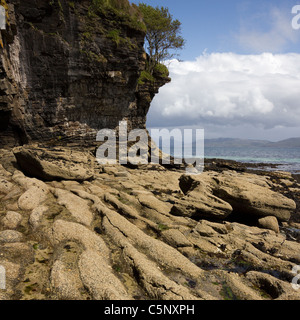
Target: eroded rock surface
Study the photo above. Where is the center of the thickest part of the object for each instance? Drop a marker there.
(244, 193)
(116, 236)
(55, 163)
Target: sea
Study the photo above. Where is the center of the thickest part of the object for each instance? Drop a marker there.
(285, 159)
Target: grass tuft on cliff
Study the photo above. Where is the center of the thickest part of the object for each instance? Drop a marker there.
(160, 71)
(128, 13)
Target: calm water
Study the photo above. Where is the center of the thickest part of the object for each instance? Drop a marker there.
(288, 159)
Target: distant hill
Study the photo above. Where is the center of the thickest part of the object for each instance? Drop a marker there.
(234, 143)
(288, 143)
(242, 143)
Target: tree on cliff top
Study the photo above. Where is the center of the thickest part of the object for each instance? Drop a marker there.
(162, 36)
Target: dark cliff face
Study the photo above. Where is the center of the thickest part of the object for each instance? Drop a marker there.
(67, 71)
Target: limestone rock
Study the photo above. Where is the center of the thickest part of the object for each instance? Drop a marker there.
(245, 193)
(99, 278)
(4, 172)
(159, 251)
(56, 163)
(5, 186)
(269, 223)
(151, 202)
(32, 198)
(65, 230)
(26, 182)
(12, 272)
(11, 220)
(249, 198)
(9, 236)
(77, 206)
(85, 81)
(36, 216)
(275, 288)
(175, 238)
(203, 204)
(64, 283)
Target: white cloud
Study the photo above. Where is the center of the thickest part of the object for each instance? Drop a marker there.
(231, 90)
(275, 37)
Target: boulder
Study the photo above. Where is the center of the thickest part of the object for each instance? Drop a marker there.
(270, 223)
(251, 199)
(55, 163)
(199, 201)
(199, 205)
(32, 198)
(247, 194)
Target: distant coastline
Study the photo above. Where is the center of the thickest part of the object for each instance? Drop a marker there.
(271, 158)
(232, 142)
(282, 155)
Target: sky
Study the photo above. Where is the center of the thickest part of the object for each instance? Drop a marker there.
(238, 75)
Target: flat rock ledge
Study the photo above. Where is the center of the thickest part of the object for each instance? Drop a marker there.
(55, 163)
(71, 230)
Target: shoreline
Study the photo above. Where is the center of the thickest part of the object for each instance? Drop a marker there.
(253, 166)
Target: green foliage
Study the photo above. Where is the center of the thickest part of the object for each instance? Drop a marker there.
(60, 6)
(227, 292)
(162, 36)
(114, 35)
(93, 57)
(161, 70)
(162, 227)
(145, 76)
(87, 35)
(128, 14)
(115, 4)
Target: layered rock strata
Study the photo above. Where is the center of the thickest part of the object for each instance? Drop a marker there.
(69, 69)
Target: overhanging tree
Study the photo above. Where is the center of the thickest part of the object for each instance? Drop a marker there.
(163, 34)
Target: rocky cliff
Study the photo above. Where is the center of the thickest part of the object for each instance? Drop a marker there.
(72, 229)
(71, 68)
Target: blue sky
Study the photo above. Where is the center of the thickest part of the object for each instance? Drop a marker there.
(219, 25)
(221, 36)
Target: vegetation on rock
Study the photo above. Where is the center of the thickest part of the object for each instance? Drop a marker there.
(128, 14)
